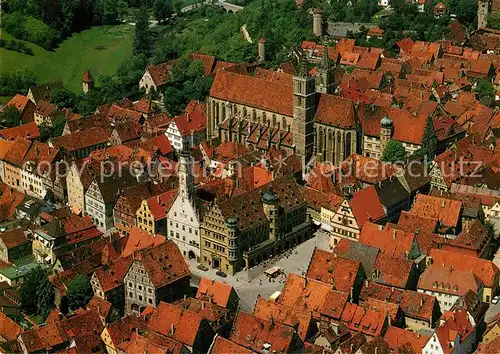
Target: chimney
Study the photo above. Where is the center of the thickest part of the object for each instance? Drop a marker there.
(443, 203)
(172, 329)
(203, 305)
(394, 234)
(421, 301)
(352, 293)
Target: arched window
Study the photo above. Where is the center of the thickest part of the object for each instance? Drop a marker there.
(263, 117)
(347, 144)
(283, 122)
(244, 112)
(274, 120)
(254, 115)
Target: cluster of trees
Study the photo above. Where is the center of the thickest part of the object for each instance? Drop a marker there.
(37, 293)
(79, 292)
(16, 82)
(46, 22)
(30, 29)
(10, 117)
(187, 82)
(281, 23)
(394, 152)
(16, 46)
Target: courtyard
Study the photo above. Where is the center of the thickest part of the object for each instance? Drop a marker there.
(251, 283)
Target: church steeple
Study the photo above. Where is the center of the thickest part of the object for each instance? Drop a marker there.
(186, 178)
(324, 75)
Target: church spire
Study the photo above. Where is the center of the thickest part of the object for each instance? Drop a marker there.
(325, 62)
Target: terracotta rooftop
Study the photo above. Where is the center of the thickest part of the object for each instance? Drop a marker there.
(224, 346)
(366, 206)
(268, 310)
(366, 321)
(256, 334)
(27, 131)
(313, 296)
(396, 243)
(8, 328)
(81, 139)
(446, 211)
(216, 291)
(251, 91)
(397, 337)
(164, 263)
(443, 279)
(327, 267)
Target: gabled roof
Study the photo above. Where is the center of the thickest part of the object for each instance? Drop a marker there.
(8, 328)
(367, 255)
(393, 271)
(14, 238)
(340, 272)
(269, 310)
(193, 120)
(397, 337)
(243, 89)
(396, 243)
(314, 296)
(366, 321)
(87, 77)
(484, 269)
(160, 205)
(256, 334)
(366, 206)
(445, 279)
(447, 211)
(160, 73)
(225, 346)
(175, 322)
(216, 291)
(111, 276)
(335, 111)
(139, 240)
(164, 264)
(121, 330)
(81, 139)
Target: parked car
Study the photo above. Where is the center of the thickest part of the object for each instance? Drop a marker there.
(494, 301)
(202, 267)
(221, 274)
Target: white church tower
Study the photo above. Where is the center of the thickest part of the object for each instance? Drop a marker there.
(183, 226)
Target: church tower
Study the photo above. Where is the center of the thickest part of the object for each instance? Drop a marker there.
(186, 178)
(483, 10)
(386, 128)
(304, 108)
(324, 73)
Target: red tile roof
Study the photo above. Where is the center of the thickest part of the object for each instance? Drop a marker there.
(164, 263)
(121, 330)
(87, 76)
(160, 205)
(253, 92)
(447, 211)
(393, 271)
(397, 337)
(81, 139)
(193, 120)
(225, 346)
(366, 206)
(256, 334)
(8, 328)
(28, 131)
(396, 243)
(310, 295)
(177, 323)
(340, 272)
(207, 60)
(160, 73)
(111, 276)
(335, 111)
(99, 306)
(45, 109)
(216, 291)
(445, 279)
(368, 322)
(159, 144)
(269, 310)
(14, 238)
(484, 269)
(139, 240)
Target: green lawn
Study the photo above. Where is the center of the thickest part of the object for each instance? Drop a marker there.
(99, 49)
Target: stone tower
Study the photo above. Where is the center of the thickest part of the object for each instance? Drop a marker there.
(262, 50)
(304, 108)
(324, 76)
(186, 178)
(271, 208)
(318, 22)
(483, 9)
(87, 82)
(386, 128)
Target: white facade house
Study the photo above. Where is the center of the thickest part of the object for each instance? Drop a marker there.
(31, 183)
(95, 206)
(174, 136)
(183, 224)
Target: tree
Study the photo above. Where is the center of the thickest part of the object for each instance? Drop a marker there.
(494, 20)
(10, 117)
(163, 10)
(79, 292)
(394, 151)
(63, 98)
(485, 89)
(37, 293)
(142, 35)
